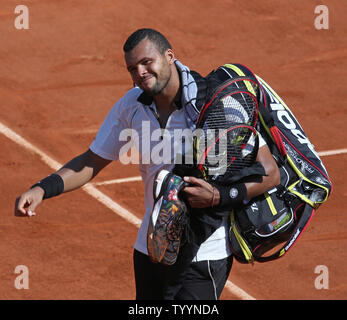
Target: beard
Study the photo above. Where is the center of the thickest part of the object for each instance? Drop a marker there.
(160, 84)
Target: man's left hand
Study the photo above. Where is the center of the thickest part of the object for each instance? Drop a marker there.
(200, 194)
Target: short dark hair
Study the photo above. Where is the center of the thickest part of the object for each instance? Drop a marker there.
(155, 36)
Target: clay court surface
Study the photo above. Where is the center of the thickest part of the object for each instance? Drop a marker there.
(59, 79)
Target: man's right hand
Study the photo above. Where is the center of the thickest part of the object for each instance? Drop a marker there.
(75, 174)
(28, 201)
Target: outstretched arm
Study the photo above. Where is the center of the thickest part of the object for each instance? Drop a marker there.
(202, 194)
(73, 175)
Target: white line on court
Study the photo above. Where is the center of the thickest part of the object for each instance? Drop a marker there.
(122, 180)
(101, 197)
(331, 152)
(114, 206)
(90, 189)
(237, 291)
(27, 145)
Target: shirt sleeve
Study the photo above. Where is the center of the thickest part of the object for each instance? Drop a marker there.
(262, 142)
(107, 143)
(249, 147)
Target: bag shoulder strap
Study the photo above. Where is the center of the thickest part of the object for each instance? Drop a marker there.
(201, 83)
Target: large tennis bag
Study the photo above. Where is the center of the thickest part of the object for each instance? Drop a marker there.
(266, 227)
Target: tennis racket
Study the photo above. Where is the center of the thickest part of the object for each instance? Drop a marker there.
(225, 140)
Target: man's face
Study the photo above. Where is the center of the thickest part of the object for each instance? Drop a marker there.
(149, 69)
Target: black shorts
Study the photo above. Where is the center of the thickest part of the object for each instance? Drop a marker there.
(203, 280)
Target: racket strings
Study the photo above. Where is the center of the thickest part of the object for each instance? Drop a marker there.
(234, 109)
(231, 151)
(222, 149)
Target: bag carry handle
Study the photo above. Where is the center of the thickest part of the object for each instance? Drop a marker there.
(306, 217)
